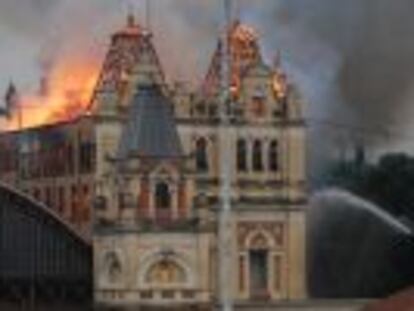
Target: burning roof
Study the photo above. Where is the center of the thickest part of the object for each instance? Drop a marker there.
(77, 85)
(245, 54)
(67, 89)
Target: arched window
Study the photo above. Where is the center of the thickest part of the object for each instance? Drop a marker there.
(241, 155)
(201, 155)
(162, 196)
(257, 156)
(273, 156)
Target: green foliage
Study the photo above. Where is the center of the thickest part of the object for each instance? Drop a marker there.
(389, 183)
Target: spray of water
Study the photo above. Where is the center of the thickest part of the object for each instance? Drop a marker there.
(339, 196)
(355, 249)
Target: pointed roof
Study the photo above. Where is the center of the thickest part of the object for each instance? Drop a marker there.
(150, 130)
(131, 49)
(131, 28)
(245, 52)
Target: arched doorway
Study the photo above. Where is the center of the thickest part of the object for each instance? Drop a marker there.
(259, 267)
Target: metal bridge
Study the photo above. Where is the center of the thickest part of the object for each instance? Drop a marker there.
(41, 257)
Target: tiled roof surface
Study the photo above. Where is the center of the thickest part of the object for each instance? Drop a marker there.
(150, 130)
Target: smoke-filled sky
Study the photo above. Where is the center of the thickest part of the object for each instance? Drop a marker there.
(353, 59)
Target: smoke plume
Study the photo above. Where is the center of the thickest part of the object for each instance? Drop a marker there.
(373, 74)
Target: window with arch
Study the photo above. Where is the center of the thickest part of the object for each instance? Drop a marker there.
(273, 156)
(201, 155)
(257, 156)
(162, 196)
(259, 265)
(242, 155)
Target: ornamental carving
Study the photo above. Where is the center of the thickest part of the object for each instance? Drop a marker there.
(257, 234)
(113, 267)
(166, 272)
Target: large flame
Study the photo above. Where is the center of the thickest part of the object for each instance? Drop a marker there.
(244, 50)
(65, 95)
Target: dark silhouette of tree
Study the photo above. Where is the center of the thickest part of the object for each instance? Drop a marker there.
(388, 183)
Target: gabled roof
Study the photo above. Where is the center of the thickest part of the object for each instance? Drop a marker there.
(131, 51)
(150, 130)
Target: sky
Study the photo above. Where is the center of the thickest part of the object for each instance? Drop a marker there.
(352, 60)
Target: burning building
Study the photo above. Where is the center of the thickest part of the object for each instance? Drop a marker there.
(143, 157)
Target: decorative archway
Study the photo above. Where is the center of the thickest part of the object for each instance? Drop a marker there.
(165, 272)
(262, 244)
(165, 269)
(259, 247)
(258, 240)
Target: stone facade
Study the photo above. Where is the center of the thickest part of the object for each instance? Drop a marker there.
(55, 165)
(154, 212)
(146, 258)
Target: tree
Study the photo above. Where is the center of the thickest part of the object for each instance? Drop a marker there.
(387, 183)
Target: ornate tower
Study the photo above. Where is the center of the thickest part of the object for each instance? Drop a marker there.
(158, 179)
(130, 48)
(266, 138)
(131, 61)
(153, 245)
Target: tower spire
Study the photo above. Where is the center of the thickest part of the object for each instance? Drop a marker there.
(130, 15)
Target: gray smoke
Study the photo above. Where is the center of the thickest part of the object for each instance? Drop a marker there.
(351, 59)
(354, 60)
(373, 42)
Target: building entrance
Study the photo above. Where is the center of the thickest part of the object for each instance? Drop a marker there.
(259, 274)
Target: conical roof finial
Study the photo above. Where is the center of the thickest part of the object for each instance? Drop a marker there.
(130, 18)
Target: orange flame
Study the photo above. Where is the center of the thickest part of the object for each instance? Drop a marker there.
(66, 96)
(245, 51)
(280, 87)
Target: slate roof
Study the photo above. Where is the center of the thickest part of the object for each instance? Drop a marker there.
(150, 130)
